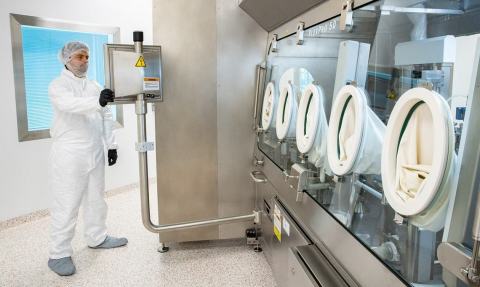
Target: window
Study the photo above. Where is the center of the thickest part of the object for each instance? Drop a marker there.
(35, 46)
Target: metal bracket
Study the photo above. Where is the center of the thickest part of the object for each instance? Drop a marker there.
(299, 180)
(258, 217)
(300, 33)
(337, 178)
(258, 130)
(273, 43)
(346, 16)
(258, 162)
(144, 146)
(426, 85)
(457, 259)
(299, 197)
(399, 219)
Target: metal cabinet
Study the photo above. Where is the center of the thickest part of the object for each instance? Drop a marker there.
(286, 234)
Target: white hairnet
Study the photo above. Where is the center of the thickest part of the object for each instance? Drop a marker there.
(69, 49)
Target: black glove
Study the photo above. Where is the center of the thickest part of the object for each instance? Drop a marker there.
(112, 156)
(106, 96)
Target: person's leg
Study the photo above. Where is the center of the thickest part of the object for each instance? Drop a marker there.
(67, 182)
(68, 185)
(95, 213)
(95, 207)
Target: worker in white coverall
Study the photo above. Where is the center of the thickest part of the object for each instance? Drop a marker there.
(82, 130)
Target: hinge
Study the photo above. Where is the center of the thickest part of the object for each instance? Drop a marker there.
(274, 43)
(346, 16)
(300, 32)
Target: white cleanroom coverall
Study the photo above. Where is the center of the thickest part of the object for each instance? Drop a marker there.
(81, 131)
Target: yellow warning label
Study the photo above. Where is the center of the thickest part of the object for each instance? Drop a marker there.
(277, 223)
(278, 233)
(140, 62)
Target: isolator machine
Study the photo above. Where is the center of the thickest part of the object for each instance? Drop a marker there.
(366, 144)
(372, 174)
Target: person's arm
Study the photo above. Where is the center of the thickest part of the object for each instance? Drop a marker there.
(109, 136)
(108, 128)
(63, 99)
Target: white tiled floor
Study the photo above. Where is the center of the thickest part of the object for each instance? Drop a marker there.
(24, 255)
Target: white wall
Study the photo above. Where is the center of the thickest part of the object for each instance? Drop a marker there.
(23, 166)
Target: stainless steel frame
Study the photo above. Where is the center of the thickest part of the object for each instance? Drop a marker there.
(109, 79)
(16, 21)
(141, 111)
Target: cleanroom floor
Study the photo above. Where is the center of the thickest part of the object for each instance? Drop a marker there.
(24, 255)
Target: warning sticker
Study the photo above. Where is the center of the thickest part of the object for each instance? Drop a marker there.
(140, 62)
(151, 84)
(277, 223)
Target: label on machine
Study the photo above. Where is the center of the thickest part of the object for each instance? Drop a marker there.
(277, 223)
(286, 226)
(151, 83)
(140, 62)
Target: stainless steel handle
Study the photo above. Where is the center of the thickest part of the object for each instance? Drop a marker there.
(259, 69)
(254, 175)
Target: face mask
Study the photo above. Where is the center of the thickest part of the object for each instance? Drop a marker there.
(79, 70)
(78, 64)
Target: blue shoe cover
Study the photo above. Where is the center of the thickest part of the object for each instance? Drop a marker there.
(111, 242)
(62, 266)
